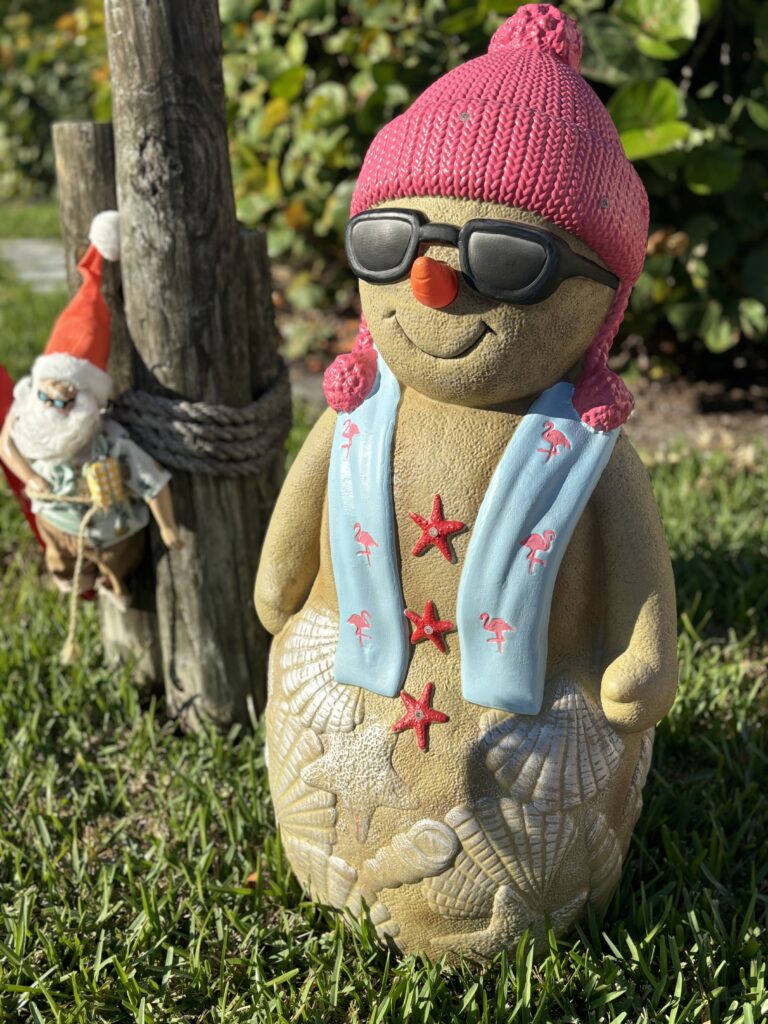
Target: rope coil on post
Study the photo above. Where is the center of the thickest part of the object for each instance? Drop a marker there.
(216, 440)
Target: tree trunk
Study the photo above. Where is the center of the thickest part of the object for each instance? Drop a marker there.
(198, 310)
(85, 173)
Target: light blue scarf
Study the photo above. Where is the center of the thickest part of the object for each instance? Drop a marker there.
(536, 495)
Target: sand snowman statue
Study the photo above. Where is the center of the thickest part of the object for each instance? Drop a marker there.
(466, 574)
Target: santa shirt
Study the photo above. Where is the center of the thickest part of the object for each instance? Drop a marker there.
(142, 478)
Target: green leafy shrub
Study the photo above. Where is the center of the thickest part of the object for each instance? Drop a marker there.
(309, 82)
(49, 70)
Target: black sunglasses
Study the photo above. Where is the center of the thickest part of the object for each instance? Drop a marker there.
(57, 403)
(505, 260)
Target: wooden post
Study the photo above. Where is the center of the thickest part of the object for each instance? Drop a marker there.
(85, 173)
(200, 333)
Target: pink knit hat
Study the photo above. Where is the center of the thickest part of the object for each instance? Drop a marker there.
(521, 127)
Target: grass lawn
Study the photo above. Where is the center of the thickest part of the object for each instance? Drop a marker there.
(125, 846)
(29, 220)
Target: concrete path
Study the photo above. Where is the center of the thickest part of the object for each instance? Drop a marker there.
(36, 262)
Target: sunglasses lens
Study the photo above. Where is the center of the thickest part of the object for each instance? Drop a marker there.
(379, 245)
(499, 264)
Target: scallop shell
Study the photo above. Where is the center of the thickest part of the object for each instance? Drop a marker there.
(633, 803)
(426, 849)
(605, 859)
(560, 758)
(502, 841)
(306, 666)
(302, 811)
(381, 918)
(331, 880)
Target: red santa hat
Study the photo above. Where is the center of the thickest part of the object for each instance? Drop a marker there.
(78, 348)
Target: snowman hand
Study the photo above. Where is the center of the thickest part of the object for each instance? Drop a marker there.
(636, 695)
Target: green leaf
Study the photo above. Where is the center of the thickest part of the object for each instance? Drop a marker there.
(644, 104)
(463, 21)
(753, 318)
(663, 19)
(759, 113)
(641, 143)
(713, 169)
(718, 333)
(610, 53)
(645, 114)
(289, 84)
(661, 49)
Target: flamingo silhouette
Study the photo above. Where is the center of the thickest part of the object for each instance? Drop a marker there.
(497, 626)
(365, 540)
(350, 431)
(555, 439)
(361, 621)
(536, 543)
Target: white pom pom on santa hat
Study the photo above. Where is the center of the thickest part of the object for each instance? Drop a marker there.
(105, 234)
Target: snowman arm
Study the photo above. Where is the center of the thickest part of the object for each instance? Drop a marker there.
(640, 648)
(290, 557)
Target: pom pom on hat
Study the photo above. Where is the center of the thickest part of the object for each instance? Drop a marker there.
(540, 27)
(105, 234)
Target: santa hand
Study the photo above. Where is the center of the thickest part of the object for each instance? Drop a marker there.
(171, 538)
(35, 486)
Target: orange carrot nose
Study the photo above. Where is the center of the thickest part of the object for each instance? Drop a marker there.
(433, 282)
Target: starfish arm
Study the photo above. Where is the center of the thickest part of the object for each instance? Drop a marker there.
(420, 728)
(423, 542)
(419, 520)
(403, 723)
(449, 526)
(442, 546)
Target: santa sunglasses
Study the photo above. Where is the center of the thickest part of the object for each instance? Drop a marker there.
(57, 403)
(504, 260)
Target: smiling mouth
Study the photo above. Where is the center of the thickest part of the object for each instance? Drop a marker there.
(466, 347)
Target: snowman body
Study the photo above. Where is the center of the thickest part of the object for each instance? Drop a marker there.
(504, 820)
(463, 691)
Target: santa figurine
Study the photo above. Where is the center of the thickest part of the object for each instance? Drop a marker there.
(92, 488)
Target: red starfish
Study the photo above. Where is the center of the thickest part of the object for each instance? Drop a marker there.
(428, 627)
(419, 715)
(435, 529)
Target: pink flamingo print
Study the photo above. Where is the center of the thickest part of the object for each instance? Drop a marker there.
(350, 431)
(498, 627)
(366, 542)
(361, 621)
(555, 439)
(536, 543)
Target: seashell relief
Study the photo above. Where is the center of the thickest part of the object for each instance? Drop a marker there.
(306, 669)
(561, 758)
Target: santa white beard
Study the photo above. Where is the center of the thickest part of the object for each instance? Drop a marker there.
(41, 431)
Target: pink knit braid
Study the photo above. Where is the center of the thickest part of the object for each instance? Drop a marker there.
(350, 377)
(601, 398)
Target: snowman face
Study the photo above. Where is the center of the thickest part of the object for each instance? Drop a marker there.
(476, 350)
